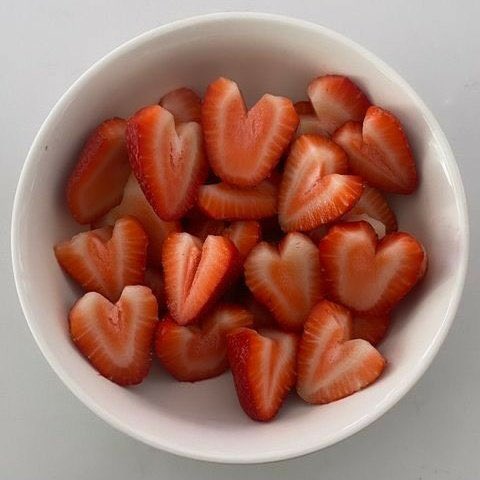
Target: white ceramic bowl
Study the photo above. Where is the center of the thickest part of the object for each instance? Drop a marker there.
(263, 53)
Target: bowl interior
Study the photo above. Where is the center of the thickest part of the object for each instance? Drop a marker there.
(263, 54)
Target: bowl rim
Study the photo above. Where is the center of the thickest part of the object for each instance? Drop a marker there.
(449, 164)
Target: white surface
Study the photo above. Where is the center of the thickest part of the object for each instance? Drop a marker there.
(46, 433)
(256, 51)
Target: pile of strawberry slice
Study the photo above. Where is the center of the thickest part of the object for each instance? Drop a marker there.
(178, 198)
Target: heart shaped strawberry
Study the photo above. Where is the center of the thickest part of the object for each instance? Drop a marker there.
(315, 188)
(196, 352)
(287, 281)
(195, 274)
(263, 369)
(106, 260)
(330, 366)
(368, 275)
(116, 338)
(244, 146)
(379, 151)
(168, 161)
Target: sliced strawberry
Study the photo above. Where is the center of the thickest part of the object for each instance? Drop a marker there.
(287, 281)
(116, 338)
(366, 275)
(106, 260)
(184, 104)
(374, 204)
(329, 365)
(336, 100)
(168, 161)
(201, 227)
(224, 202)
(198, 352)
(315, 189)
(244, 235)
(244, 146)
(135, 204)
(97, 181)
(371, 328)
(263, 368)
(195, 274)
(379, 151)
(154, 281)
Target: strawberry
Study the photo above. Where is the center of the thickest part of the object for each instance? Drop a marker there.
(371, 328)
(244, 235)
(263, 368)
(135, 204)
(245, 146)
(225, 202)
(374, 204)
(308, 120)
(116, 338)
(336, 100)
(168, 161)
(154, 281)
(198, 352)
(184, 104)
(195, 274)
(329, 365)
(287, 281)
(97, 181)
(379, 151)
(368, 275)
(315, 188)
(106, 260)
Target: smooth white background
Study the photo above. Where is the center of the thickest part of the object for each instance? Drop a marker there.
(46, 433)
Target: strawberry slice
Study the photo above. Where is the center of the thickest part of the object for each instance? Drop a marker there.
(245, 146)
(116, 338)
(336, 100)
(287, 281)
(379, 151)
(184, 104)
(308, 120)
(315, 189)
(371, 328)
(374, 204)
(168, 161)
(366, 275)
(106, 260)
(135, 204)
(244, 235)
(225, 202)
(97, 181)
(195, 274)
(263, 368)
(329, 365)
(197, 352)
(154, 281)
